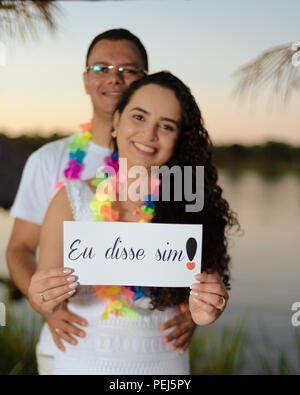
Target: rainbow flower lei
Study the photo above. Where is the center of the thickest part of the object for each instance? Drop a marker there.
(77, 153)
(119, 297)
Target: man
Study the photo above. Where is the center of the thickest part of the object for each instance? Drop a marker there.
(114, 60)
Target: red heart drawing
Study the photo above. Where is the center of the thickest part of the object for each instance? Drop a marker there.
(191, 265)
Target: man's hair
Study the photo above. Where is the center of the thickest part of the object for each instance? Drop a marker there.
(116, 35)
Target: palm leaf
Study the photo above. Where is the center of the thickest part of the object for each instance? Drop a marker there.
(275, 68)
(23, 18)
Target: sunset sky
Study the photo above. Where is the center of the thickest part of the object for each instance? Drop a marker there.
(202, 42)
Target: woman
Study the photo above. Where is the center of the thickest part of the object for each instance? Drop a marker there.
(157, 122)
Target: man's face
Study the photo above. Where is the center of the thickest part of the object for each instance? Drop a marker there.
(106, 88)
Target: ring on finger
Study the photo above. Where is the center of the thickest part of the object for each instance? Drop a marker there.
(222, 304)
(42, 298)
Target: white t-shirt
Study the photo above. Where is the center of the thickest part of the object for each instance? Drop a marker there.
(43, 169)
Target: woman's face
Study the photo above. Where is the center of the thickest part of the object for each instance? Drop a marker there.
(149, 126)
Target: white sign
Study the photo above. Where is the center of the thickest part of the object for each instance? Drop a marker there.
(137, 254)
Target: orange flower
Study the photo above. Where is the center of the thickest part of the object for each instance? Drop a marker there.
(101, 290)
(110, 214)
(86, 126)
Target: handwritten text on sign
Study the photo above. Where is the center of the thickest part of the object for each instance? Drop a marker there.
(126, 253)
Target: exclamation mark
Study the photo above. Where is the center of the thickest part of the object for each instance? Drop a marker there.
(191, 248)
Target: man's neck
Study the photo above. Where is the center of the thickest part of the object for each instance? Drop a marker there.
(101, 131)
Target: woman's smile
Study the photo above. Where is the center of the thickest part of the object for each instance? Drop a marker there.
(144, 149)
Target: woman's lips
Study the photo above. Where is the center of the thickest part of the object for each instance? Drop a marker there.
(146, 150)
(112, 93)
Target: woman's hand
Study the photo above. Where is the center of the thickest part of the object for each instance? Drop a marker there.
(208, 298)
(49, 288)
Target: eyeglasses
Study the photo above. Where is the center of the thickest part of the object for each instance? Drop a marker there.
(125, 71)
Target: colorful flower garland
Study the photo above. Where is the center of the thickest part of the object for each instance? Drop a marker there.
(77, 147)
(119, 297)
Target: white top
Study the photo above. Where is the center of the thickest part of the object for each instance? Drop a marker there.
(43, 169)
(117, 345)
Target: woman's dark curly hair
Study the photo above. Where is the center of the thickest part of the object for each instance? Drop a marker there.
(193, 148)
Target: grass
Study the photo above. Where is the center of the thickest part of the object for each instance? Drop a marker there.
(227, 352)
(219, 354)
(17, 342)
(234, 352)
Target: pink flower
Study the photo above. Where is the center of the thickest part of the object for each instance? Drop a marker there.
(73, 171)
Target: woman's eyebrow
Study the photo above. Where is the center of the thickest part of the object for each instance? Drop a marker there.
(162, 118)
(170, 120)
(140, 109)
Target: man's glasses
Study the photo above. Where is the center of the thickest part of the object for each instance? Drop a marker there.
(126, 71)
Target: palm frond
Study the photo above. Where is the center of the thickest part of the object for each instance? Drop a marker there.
(275, 69)
(24, 18)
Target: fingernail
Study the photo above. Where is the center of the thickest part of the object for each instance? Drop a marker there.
(71, 292)
(196, 300)
(72, 278)
(84, 323)
(194, 293)
(67, 271)
(194, 286)
(198, 276)
(73, 285)
(173, 347)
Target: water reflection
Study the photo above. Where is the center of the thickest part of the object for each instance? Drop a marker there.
(265, 260)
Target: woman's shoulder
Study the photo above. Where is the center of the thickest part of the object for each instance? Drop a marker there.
(60, 206)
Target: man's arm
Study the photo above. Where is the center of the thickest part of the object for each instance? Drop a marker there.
(21, 253)
(29, 209)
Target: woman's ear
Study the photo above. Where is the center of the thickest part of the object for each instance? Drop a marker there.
(116, 119)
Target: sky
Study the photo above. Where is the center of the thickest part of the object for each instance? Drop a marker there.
(202, 42)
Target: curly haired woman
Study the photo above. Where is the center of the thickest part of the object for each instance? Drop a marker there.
(157, 122)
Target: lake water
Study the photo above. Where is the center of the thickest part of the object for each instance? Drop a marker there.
(265, 259)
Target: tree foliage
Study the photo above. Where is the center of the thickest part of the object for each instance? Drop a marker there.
(277, 68)
(24, 18)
